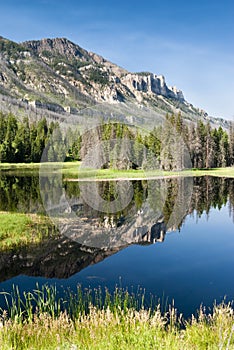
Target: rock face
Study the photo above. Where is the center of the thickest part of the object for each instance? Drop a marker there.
(60, 67)
(151, 83)
(118, 82)
(61, 74)
(117, 78)
(58, 46)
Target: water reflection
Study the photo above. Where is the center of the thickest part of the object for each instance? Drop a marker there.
(155, 201)
(157, 207)
(20, 194)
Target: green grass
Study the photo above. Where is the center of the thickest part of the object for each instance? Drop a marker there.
(19, 166)
(38, 321)
(72, 170)
(17, 230)
(25, 167)
(222, 172)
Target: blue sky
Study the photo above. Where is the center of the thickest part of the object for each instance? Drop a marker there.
(190, 42)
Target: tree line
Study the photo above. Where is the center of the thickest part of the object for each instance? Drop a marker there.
(174, 145)
(208, 147)
(24, 141)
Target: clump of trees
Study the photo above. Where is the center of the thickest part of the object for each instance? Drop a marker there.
(175, 145)
(25, 142)
(21, 142)
(207, 147)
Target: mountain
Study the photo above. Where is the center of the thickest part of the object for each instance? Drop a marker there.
(59, 76)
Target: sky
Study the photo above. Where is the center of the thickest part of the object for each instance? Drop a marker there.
(191, 42)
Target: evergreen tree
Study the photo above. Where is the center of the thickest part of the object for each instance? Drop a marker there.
(209, 148)
(12, 127)
(3, 127)
(22, 142)
(231, 143)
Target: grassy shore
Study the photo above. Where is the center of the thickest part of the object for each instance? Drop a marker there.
(72, 170)
(17, 230)
(35, 167)
(115, 323)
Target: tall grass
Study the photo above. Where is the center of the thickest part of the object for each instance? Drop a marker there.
(96, 319)
(22, 306)
(17, 230)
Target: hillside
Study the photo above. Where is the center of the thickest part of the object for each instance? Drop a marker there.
(59, 76)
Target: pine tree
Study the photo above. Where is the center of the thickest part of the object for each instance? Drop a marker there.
(12, 127)
(3, 127)
(231, 143)
(209, 148)
(22, 143)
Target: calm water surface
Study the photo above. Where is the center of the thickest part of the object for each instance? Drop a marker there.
(191, 261)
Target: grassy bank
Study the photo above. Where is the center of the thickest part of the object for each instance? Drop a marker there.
(73, 173)
(17, 230)
(115, 323)
(72, 170)
(35, 167)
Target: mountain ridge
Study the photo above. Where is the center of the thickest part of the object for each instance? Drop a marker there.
(60, 76)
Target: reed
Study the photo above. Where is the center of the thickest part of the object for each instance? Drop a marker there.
(98, 319)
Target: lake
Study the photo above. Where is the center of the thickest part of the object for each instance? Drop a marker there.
(174, 238)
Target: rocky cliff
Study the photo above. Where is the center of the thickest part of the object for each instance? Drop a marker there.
(60, 76)
(107, 81)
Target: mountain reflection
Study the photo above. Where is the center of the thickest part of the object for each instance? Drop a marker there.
(89, 236)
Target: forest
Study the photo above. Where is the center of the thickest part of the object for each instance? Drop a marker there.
(23, 141)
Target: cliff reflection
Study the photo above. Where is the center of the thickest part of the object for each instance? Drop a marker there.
(157, 207)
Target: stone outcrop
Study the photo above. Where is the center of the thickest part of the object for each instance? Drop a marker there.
(120, 82)
(67, 78)
(152, 84)
(59, 46)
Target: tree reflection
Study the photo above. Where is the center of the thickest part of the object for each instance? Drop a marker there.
(157, 206)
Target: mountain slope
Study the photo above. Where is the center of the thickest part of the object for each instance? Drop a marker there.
(60, 76)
